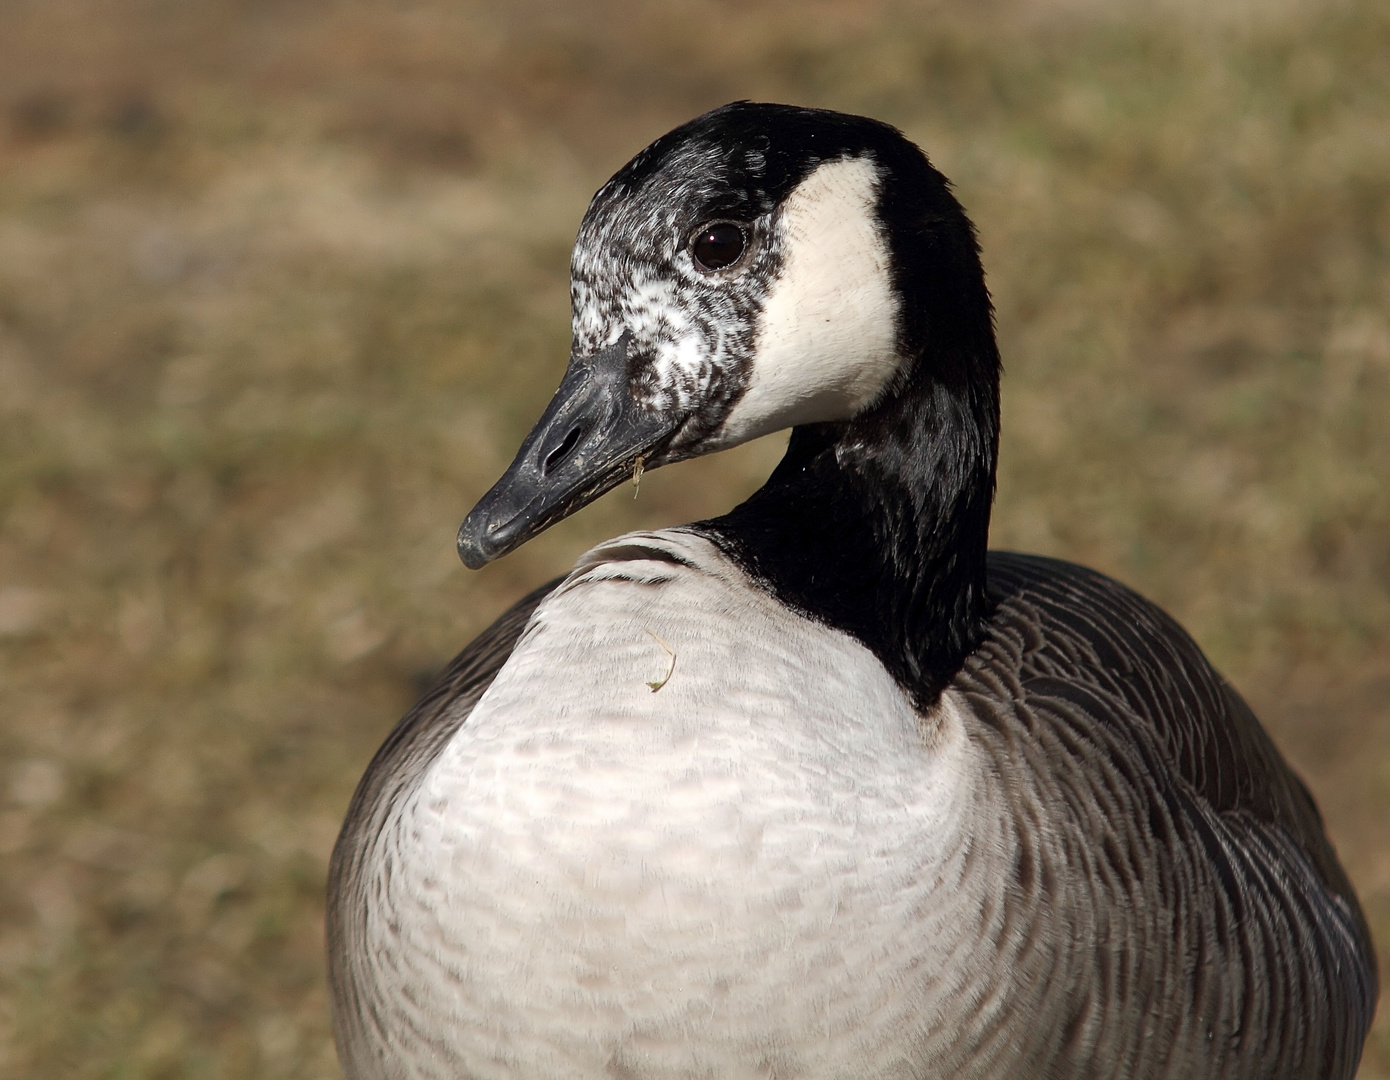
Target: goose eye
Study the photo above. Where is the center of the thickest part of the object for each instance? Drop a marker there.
(717, 246)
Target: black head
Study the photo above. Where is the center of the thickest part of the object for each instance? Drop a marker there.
(761, 267)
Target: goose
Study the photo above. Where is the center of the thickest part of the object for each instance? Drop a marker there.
(821, 787)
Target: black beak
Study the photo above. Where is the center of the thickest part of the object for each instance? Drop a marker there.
(586, 443)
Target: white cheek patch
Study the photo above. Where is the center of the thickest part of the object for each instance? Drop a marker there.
(826, 342)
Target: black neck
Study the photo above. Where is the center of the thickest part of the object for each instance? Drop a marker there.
(879, 526)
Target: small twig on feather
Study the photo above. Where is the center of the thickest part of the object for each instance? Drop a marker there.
(670, 668)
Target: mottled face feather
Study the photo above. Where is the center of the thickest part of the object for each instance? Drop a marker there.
(698, 336)
(633, 271)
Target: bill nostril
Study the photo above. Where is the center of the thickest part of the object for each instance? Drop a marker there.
(558, 455)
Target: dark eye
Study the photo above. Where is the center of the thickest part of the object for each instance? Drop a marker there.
(717, 246)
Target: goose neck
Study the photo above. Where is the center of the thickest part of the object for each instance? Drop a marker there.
(879, 527)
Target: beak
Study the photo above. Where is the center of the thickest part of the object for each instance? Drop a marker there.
(586, 443)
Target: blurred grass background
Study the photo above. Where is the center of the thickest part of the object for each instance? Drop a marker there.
(283, 284)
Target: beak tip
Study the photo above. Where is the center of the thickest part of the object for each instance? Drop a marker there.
(473, 547)
(583, 445)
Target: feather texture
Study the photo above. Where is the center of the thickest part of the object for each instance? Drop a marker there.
(398, 765)
(1088, 860)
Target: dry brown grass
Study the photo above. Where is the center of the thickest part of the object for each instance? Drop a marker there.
(281, 286)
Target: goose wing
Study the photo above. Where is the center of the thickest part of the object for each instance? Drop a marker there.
(1139, 773)
(1088, 635)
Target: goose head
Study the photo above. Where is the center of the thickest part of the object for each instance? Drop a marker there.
(767, 267)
